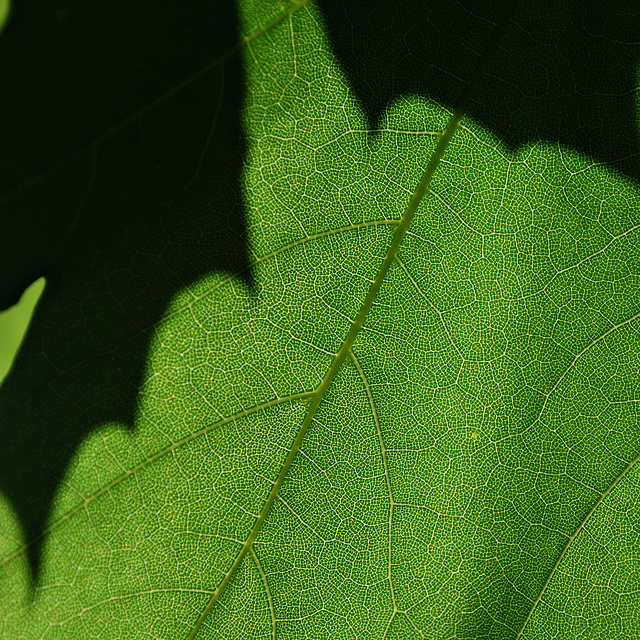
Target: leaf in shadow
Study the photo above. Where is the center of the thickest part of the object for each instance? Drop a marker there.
(120, 129)
(564, 72)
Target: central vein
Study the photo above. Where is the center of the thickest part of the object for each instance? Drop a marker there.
(345, 349)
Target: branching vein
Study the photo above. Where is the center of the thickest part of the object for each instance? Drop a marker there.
(345, 349)
(160, 454)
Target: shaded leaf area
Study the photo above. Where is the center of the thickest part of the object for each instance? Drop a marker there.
(122, 151)
(564, 72)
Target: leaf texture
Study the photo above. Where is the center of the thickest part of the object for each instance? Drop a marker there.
(471, 470)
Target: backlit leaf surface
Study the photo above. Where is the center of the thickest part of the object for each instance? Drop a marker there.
(471, 470)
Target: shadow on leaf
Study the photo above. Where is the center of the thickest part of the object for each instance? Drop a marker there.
(121, 134)
(563, 72)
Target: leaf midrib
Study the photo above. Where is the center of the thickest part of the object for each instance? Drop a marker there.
(345, 350)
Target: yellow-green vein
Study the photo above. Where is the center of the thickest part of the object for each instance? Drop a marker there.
(573, 536)
(357, 324)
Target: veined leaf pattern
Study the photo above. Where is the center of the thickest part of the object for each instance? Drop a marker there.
(470, 470)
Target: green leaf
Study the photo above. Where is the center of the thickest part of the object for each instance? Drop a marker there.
(464, 466)
(5, 9)
(14, 323)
